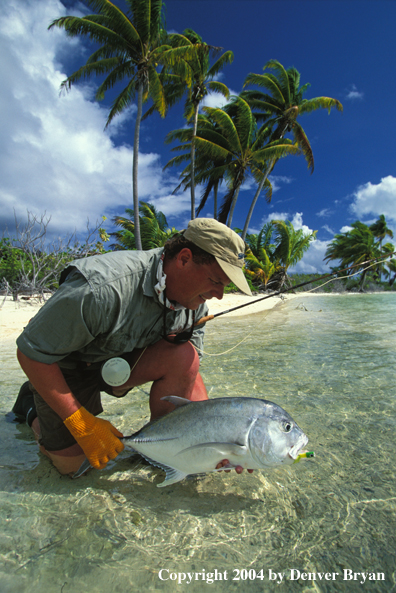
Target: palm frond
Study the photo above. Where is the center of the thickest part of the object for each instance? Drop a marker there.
(268, 82)
(226, 58)
(214, 151)
(282, 76)
(122, 101)
(157, 92)
(310, 105)
(302, 141)
(226, 125)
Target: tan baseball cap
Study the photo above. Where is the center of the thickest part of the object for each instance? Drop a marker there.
(227, 247)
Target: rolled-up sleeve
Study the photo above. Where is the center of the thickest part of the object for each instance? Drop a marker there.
(197, 338)
(63, 325)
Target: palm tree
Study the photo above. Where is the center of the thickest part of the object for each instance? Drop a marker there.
(380, 230)
(131, 48)
(208, 172)
(291, 244)
(384, 266)
(241, 148)
(203, 167)
(391, 265)
(261, 241)
(202, 83)
(154, 228)
(354, 248)
(279, 107)
(260, 268)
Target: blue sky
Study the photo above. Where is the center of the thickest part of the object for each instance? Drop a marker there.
(55, 156)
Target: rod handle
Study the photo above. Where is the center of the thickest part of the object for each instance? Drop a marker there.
(203, 320)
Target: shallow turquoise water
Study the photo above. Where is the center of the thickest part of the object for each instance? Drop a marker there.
(330, 362)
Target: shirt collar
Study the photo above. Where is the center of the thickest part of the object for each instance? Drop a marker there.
(154, 282)
(161, 285)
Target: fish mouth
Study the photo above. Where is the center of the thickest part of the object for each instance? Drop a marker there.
(297, 449)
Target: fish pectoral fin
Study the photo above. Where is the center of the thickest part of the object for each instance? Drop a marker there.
(225, 449)
(82, 469)
(176, 400)
(172, 476)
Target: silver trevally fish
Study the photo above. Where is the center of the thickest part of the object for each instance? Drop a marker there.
(196, 436)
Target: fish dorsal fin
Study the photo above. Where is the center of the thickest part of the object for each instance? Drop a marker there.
(225, 449)
(176, 400)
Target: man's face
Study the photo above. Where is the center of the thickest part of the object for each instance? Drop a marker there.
(208, 281)
(197, 283)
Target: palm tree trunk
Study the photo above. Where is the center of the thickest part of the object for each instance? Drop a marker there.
(254, 201)
(138, 240)
(363, 278)
(380, 271)
(277, 135)
(233, 204)
(193, 162)
(215, 190)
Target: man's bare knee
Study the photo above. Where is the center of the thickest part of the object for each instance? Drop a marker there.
(64, 465)
(187, 359)
(163, 360)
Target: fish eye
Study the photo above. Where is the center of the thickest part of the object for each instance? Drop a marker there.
(287, 426)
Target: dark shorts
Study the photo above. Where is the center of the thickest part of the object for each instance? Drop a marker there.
(86, 384)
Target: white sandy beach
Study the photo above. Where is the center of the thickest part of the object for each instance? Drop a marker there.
(14, 315)
(257, 304)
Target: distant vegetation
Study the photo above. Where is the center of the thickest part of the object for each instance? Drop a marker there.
(362, 247)
(30, 265)
(361, 250)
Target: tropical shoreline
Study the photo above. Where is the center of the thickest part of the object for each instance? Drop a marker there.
(260, 303)
(14, 315)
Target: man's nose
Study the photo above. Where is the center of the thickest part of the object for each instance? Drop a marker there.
(218, 292)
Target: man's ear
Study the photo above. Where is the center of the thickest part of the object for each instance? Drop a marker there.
(184, 257)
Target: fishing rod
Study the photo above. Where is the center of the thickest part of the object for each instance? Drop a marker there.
(278, 292)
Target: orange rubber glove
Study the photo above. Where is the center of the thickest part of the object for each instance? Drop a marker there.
(96, 437)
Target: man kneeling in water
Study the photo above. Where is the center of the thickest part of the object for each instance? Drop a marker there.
(137, 305)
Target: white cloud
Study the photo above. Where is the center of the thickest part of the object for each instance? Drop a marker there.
(324, 213)
(215, 100)
(376, 199)
(275, 216)
(354, 95)
(298, 223)
(277, 181)
(328, 229)
(345, 229)
(295, 219)
(55, 156)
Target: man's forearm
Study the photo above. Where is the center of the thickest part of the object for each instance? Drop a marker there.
(51, 385)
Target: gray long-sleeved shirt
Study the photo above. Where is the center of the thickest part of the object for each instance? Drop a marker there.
(105, 307)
